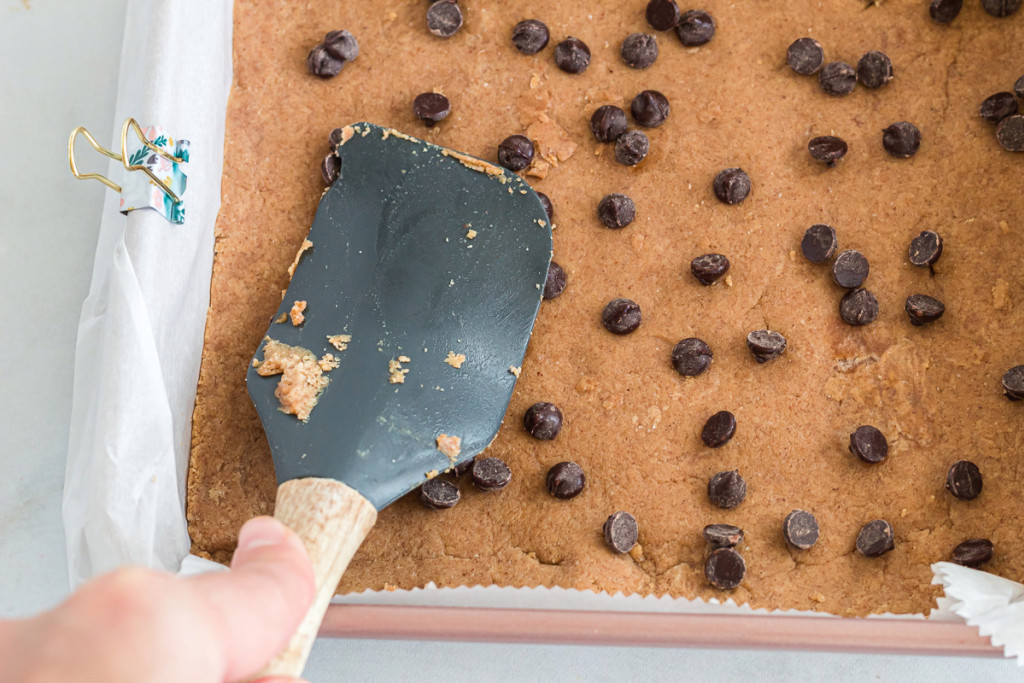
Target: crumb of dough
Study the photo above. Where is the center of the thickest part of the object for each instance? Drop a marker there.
(1001, 294)
(471, 234)
(451, 446)
(1005, 227)
(455, 359)
(728, 280)
(514, 370)
(346, 134)
(431, 474)
(541, 223)
(396, 373)
(329, 362)
(340, 341)
(283, 318)
(302, 379)
(306, 245)
(255, 363)
(296, 313)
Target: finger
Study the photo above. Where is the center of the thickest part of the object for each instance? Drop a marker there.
(252, 610)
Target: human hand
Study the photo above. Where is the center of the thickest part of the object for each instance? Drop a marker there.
(136, 624)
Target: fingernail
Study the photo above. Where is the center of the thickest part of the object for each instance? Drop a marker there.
(260, 532)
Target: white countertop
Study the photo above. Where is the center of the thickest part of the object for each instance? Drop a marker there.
(58, 69)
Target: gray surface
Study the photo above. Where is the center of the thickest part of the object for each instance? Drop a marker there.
(48, 225)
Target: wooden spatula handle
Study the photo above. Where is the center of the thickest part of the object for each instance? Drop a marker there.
(332, 519)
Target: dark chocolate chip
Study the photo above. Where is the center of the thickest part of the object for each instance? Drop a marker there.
(944, 11)
(819, 243)
(631, 148)
(565, 480)
(530, 36)
(322, 63)
(515, 152)
(621, 316)
(766, 345)
(727, 489)
(1001, 8)
(330, 168)
(662, 14)
(549, 208)
(924, 309)
(691, 357)
(828, 149)
(901, 139)
(731, 186)
(709, 267)
(973, 552)
(444, 18)
(837, 78)
(997, 107)
(964, 480)
(869, 444)
(1010, 133)
(463, 467)
(1018, 87)
(342, 45)
(554, 284)
(800, 529)
(335, 139)
(543, 420)
(621, 532)
(695, 28)
(874, 69)
(805, 56)
(639, 50)
(649, 108)
(616, 210)
(925, 249)
(850, 269)
(1013, 383)
(572, 55)
(719, 429)
(858, 307)
(722, 535)
(431, 107)
(724, 568)
(490, 474)
(608, 123)
(439, 494)
(876, 538)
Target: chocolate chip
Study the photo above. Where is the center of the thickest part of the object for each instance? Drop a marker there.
(490, 474)
(608, 123)
(554, 284)
(639, 50)
(462, 468)
(819, 243)
(1018, 87)
(691, 357)
(875, 538)
(858, 307)
(530, 36)
(565, 480)
(828, 149)
(330, 168)
(439, 494)
(444, 18)
(323, 64)
(431, 107)
(901, 139)
(695, 28)
(874, 69)
(543, 420)
(549, 208)
(722, 535)
(766, 345)
(649, 108)
(869, 444)
(631, 148)
(1013, 383)
(621, 532)
(616, 210)
(964, 480)
(850, 269)
(719, 429)
(326, 59)
(837, 78)
(997, 107)
(1010, 133)
(727, 489)
(924, 309)
(515, 152)
(621, 316)
(973, 552)
(662, 14)
(800, 529)
(335, 139)
(805, 56)
(709, 267)
(572, 55)
(724, 568)
(1001, 8)
(944, 11)
(925, 249)
(731, 186)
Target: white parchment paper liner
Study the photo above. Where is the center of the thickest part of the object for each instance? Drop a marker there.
(140, 341)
